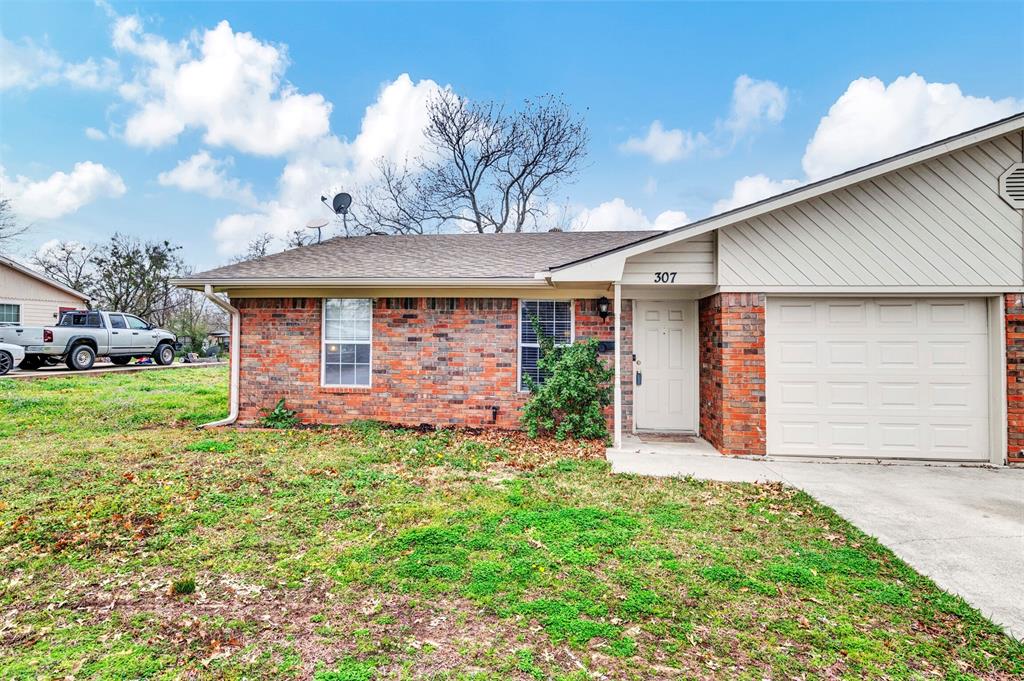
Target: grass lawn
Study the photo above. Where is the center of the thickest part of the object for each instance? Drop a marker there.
(132, 546)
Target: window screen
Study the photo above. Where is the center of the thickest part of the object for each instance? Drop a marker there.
(555, 320)
(346, 351)
(10, 313)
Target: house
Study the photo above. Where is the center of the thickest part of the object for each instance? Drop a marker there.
(878, 313)
(31, 299)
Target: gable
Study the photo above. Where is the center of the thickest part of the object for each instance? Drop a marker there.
(937, 223)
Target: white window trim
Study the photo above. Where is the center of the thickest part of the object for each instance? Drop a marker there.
(519, 333)
(18, 307)
(323, 342)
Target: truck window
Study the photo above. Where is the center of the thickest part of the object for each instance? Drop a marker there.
(84, 320)
(136, 323)
(117, 322)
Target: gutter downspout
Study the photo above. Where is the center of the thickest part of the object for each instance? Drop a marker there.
(235, 359)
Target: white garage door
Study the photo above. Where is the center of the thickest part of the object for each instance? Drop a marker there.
(877, 378)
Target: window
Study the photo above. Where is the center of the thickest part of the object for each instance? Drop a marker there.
(346, 349)
(90, 320)
(10, 313)
(555, 319)
(136, 323)
(117, 322)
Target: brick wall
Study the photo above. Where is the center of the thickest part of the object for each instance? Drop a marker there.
(445, 362)
(732, 374)
(1015, 374)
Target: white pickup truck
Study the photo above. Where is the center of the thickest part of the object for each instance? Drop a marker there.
(83, 335)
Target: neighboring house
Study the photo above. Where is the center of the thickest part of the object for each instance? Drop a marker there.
(31, 299)
(878, 313)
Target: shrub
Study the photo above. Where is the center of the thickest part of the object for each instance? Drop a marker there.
(572, 398)
(183, 587)
(279, 417)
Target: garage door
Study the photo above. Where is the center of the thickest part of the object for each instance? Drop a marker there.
(877, 378)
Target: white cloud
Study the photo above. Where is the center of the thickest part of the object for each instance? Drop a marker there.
(92, 75)
(95, 134)
(754, 103)
(61, 193)
(751, 189)
(28, 66)
(229, 85)
(618, 215)
(872, 121)
(392, 128)
(204, 174)
(663, 145)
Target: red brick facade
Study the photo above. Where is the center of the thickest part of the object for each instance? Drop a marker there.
(732, 372)
(1015, 375)
(437, 361)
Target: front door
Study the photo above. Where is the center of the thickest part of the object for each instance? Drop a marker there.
(665, 367)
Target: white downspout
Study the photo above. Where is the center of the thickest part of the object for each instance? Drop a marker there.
(617, 420)
(235, 358)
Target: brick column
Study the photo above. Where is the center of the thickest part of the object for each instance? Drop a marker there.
(732, 397)
(1014, 303)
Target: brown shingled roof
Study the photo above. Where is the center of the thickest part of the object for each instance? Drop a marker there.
(429, 256)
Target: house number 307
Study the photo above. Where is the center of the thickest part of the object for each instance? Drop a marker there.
(664, 277)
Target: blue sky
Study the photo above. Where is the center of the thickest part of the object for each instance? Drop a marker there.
(778, 94)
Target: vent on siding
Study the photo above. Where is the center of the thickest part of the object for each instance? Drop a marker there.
(1011, 186)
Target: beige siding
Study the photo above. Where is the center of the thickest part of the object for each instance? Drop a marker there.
(38, 300)
(692, 261)
(939, 223)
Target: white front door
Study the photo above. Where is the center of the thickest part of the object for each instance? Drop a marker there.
(665, 368)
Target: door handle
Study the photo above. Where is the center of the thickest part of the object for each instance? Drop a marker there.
(639, 378)
(113, 333)
(135, 333)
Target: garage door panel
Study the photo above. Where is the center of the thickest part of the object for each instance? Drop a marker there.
(889, 378)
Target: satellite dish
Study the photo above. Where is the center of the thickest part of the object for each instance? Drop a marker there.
(341, 202)
(317, 224)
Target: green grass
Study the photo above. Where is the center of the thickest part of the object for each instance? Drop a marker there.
(134, 546)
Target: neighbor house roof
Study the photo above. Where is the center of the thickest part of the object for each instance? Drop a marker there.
(466, 258)
(29, 272)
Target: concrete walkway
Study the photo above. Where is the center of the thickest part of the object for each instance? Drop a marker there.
(961, 526)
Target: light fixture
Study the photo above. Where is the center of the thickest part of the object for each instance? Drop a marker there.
(602, 307)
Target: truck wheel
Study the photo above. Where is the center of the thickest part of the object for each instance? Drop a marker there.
(164, 354)
(81, 358)
(6, 362)
(120, 361)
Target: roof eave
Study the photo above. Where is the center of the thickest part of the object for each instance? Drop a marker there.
(358, 282)
(29, 272)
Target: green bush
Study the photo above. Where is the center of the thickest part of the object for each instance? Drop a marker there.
(279, 417)
(571, 400)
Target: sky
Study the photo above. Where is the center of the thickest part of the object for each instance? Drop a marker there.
(209, 123)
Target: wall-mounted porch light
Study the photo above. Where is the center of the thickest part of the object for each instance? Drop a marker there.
(602, 307)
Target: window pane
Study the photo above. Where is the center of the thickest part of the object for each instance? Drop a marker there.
(348, 353)
(331, 374)
(554, 317)
(135, 323)
(117, 322)
(332, 308)
(362, 374)
(332, 352)
(10, 313)
(348, 375)
(363, 353)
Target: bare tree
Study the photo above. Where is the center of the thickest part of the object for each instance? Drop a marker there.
(10, 227)
(134, 276)
(194, 317)
(256, 248)
(484, 170)
(69, 263)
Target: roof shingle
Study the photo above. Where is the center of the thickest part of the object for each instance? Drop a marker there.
(433, 256)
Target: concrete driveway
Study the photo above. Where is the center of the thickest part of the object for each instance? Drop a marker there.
(961, 526)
